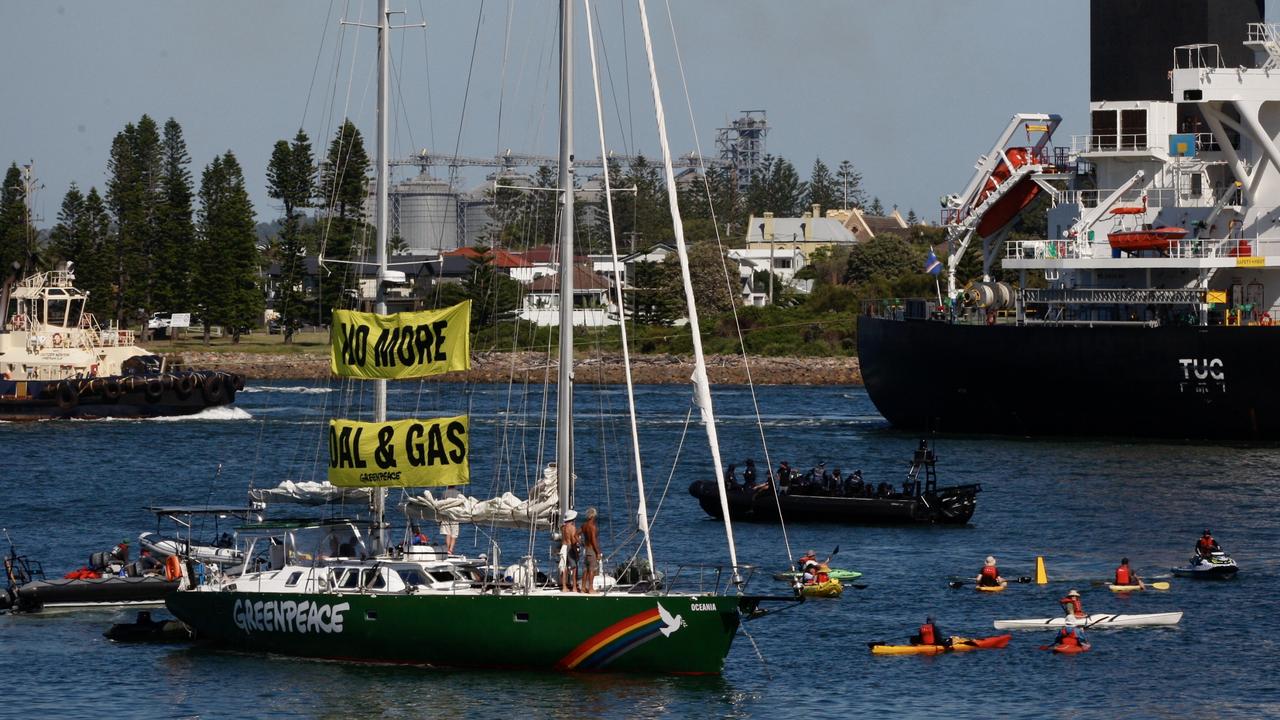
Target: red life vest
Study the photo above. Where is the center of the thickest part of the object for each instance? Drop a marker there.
(1124, 576)
(926, 635)
(1076, 607)
(991, 572)
(822, 576)
(1067, 636)
(1205, 545)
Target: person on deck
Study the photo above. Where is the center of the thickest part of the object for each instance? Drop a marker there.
(569, 552)
(449, 528)
(731, 477)
(784, 474)
(930, 635)
(1126, 576)
(1206, 545)
(1071, 604)
(1070, 636)
(990, 574)
(853, 484)
(147, 565)
(121, 552)
(749, 474)
(591, 551)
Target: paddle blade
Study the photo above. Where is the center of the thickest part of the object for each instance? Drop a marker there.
(1158, 585)
(1024, 580)
(955, 584)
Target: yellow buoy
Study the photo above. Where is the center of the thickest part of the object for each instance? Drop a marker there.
(1041, 577)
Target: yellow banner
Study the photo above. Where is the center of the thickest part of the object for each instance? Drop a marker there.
(1251, 261)
(403, 345)
(1217, 297)
(413, 453)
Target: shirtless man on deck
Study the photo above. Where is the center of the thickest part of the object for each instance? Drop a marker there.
(569, 539)
(591, 551)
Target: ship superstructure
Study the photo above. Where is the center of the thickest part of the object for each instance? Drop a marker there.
(1147, 306)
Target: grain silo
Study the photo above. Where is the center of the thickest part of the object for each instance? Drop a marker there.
(424, 213)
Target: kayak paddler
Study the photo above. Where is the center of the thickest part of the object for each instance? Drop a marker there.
(805, 559)
(1071, 604)
(1069, 635)
(815, 574)
(930, 635)
(1126, 576)
(990, 575)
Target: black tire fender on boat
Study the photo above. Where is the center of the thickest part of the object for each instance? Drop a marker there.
(154, 390)
(111, 390)
(229, 387)
(213, 389)
(183, 385)
(68, 395)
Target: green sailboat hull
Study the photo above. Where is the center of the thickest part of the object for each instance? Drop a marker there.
(602, 633)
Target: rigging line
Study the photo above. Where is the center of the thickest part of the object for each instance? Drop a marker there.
(626, 73)
(642, 512)
(426, 78)
(613, 87)
(398, 73)
(324, 34)
(746, 364)
(502, 82)
(675, 463)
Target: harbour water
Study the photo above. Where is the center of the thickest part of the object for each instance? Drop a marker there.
(71, 488)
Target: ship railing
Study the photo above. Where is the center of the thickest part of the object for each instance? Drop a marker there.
(111, 337)
(1041, 249)
(707, 579)
(1200, 56)
(1156, 197)
(1213, 248)
(52, 278)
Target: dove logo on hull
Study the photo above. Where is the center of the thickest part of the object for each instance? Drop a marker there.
(670, 623)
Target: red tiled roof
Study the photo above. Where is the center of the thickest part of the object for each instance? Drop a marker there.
(546, 255)
(501, 258)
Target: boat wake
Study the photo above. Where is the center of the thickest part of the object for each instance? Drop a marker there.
(295, 389)
(222, 412)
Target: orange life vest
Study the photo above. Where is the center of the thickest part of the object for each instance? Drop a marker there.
(1067, 636)
(990, 572)
(926, 635)
(1076, 607)
(172, 568)
(1124, 576)
(1205, 545)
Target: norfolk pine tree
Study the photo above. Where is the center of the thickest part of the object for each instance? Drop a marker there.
(291, 180)
(227, 256)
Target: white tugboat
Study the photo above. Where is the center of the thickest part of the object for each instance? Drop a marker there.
(57, 361)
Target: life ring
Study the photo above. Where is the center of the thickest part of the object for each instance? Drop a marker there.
(57, 339)
(213, 389)
(111, 390)
(172, 568)
(19, 322)
(183, 385)
(68, 395)
(991, 317)
(154, 390)
(1265, 319)
(93, 370)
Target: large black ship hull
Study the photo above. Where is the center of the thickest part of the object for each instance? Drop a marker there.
(1214, 382)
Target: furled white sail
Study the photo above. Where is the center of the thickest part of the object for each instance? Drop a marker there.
(507, 510)
(309, 493)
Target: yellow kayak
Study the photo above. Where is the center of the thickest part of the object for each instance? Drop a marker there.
(831, 589)
(1138, 588)
(989, 588)
(958, 644)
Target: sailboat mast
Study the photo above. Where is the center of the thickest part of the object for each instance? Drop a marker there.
(381, 219)
(564, 382)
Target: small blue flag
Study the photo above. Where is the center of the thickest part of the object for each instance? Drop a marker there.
(932, 264)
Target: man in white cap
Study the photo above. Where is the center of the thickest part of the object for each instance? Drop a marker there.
(990, 575)
(569, 552)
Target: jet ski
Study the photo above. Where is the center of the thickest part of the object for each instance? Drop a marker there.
(1218, 566)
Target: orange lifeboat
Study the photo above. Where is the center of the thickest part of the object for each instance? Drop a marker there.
(1020, 196)
(1153, 239)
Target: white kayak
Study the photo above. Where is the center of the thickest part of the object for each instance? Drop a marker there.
(1091, 621)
